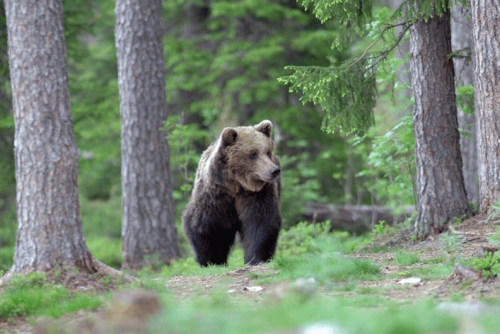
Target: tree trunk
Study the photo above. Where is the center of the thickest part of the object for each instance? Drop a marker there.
(440, 183)
(461, 37)
(48, 213)
(148, 226)
(485, 28)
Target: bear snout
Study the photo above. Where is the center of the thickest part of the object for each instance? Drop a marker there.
(275, 172)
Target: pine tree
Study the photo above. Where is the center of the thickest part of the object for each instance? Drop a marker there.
(485, 27)
(49, 233)
(461, 39)
(148, 225)
(440, 184)
(347, 93)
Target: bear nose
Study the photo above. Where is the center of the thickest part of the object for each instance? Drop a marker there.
(275, 171)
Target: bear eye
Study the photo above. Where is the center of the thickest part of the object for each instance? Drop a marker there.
(253, 156)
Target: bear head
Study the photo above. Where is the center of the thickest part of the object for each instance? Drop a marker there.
(248, 152)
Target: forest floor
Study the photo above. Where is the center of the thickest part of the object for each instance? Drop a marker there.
(410, 274)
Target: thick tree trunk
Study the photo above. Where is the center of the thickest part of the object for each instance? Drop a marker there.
(48, 214)
(440, 183)
(461, 37)
(486, 53)
(148, 226)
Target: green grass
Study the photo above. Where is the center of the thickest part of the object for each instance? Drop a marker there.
(29, 295)
(325, 268)
(441, 259)
(189, 267)
(435, 271)
(405, 258)
(218, 315)
(106, 249)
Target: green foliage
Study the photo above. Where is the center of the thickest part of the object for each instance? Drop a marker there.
(494, 211)
(347, 92)
(489, 265)
(405, 258)
(6, 257)
(31, 295)
(326, 268)
(311, 250)
(184, 157)
(101, 218)
(465, 99)
(215, 314)
(222, 62)
(473, 208)
(392, 166)
(495, 238)
(302, 238)
(189, 267)
(7, 171)
(299, 185)
(92, 74)
(413, 10)
(431, 272)
(347, 13)
(452, 245)
(344, 98)
(108, 250)
(381, 229)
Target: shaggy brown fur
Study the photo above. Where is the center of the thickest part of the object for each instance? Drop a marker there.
(236, 190)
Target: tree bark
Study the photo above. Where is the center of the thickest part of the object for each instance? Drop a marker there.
(461, 37)
(148, 226)
(486, 52)
(440, 184)
(48, 213)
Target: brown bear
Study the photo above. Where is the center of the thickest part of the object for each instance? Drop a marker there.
(236, 190)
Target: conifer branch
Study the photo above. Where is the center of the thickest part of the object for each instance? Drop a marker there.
(380, 37)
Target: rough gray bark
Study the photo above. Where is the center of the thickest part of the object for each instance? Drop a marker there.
(148, 225)
(461, 37)
(486, 53)
(49, 226)
(440, 184)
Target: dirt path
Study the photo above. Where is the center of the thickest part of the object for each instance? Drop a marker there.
(471, 236)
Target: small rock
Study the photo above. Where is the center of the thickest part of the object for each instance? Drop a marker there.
(410, 280)
(253, 288)
(466, 272)
(231, 290)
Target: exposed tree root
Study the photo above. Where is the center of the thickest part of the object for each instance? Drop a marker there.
(100, 278)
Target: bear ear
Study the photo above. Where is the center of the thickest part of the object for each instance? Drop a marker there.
(229, 136)
(265, 127)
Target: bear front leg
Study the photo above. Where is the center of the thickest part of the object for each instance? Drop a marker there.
(260, 218)
(211, 241)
